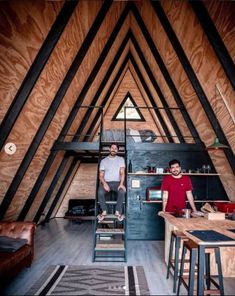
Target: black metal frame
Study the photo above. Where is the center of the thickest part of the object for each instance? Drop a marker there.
(191, 74)
(53, 154)
(133, 8)
(165, 72)
(62, 90)
(127, 96)
(36, 69)
(62, 186)
(215, 40)
(92, 77)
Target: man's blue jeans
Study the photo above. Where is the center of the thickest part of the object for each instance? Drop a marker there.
(120, 196)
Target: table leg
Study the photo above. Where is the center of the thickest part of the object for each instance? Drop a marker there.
(201, 263)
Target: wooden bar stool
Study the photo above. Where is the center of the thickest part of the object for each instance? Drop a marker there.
(176, 237)
(192, 247)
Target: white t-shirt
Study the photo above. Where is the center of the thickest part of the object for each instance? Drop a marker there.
(111, 167)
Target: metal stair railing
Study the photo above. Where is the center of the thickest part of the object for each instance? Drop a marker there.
(109, 239)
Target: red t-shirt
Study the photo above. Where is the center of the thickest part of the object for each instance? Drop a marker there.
(176, 188)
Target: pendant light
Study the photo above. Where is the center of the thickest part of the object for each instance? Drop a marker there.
(216, 144)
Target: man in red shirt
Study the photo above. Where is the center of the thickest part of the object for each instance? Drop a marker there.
(176, 188)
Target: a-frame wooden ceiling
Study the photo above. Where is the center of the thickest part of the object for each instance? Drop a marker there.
(57, 56)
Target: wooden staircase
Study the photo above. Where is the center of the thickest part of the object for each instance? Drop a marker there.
(110, 239)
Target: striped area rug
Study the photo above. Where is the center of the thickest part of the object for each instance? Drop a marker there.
(91, 280)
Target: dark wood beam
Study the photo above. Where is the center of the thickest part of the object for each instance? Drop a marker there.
(50, 189)
(149, 94)
(89, 146)
(166, 147)
(94, 72)
(101, 87)
(194, 81)
(84, 90)
(58, 98)
(164, 70)
(215, 39)
(157, 88)
(36, 69)
(62, 186)
(107, 97)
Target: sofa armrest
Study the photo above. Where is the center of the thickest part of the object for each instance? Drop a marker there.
(17, 229)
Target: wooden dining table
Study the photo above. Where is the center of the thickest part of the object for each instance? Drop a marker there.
(227, 248)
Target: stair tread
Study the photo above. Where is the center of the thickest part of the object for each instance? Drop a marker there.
(109, 245)
(107, 230)
(111, 202)
(106, 222)
(110, 216)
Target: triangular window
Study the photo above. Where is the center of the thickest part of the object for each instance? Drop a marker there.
(132, 114)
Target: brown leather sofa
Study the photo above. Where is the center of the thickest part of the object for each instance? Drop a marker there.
(12, 262)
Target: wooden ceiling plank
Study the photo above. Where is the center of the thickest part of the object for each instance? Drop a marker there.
(101, 87)
(107, 97)
(157, 88)
(157, 112)
(36, 69)
(215, 40)
(164, 70)
(195, 82)
(84, 91)
(62, 186)
(62, 90)
(51, 188)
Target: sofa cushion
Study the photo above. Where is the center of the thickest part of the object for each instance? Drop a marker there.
(8, 261)
(10, 244)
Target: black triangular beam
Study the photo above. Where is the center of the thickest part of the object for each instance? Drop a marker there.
(80, 129)
(164, 71)
(195, 82)
(89, 111)
(157, 88)
(51, 188)
(122, 105)
(158, 58)
(62, 186)
(49, 162)
(84, 91)
(149, 94)
(151, 77)
(115, 80)
(36, 69)
(104, 81)
(215, 40)
(196, 136)
(58, 98)
(101, 87)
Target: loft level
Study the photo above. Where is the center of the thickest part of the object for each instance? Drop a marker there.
(182, 147)
(76, 146)
(120, 144)
(84, 146)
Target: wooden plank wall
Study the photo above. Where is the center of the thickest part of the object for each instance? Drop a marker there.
(23, 29)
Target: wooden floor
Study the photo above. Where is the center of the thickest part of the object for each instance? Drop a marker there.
(66, 242)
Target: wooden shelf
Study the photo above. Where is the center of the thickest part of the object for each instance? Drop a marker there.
(152, 201)
(166, 174)
(204, 200)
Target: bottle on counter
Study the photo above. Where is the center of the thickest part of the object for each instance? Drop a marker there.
(130, 167)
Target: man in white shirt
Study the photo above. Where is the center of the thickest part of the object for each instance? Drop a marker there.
(112, 178)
